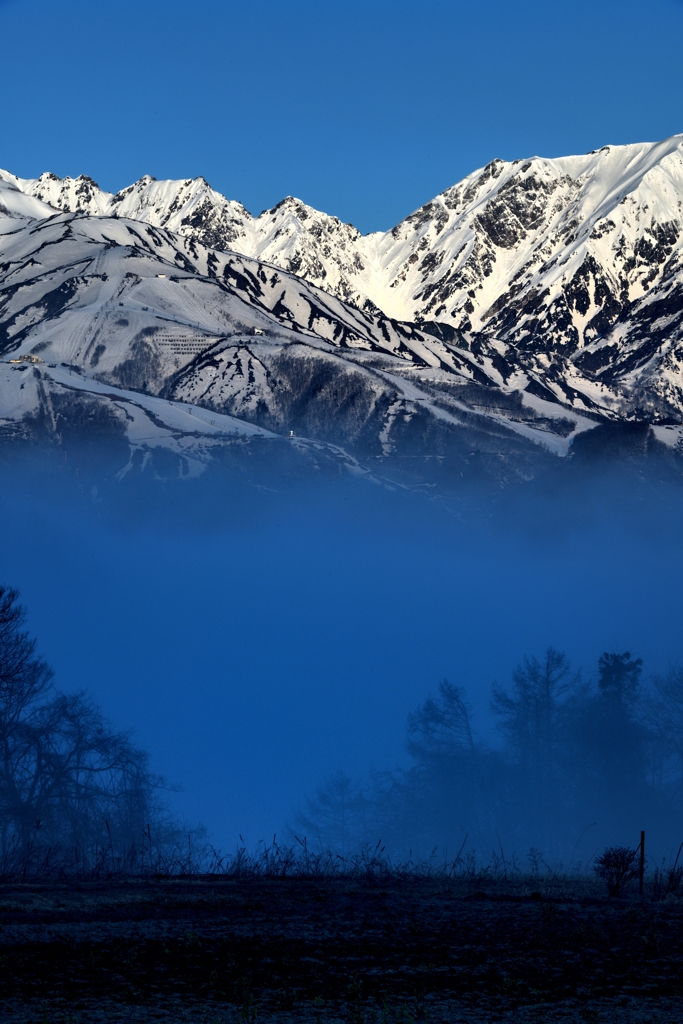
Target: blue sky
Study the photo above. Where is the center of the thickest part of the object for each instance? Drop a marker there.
(363, 109)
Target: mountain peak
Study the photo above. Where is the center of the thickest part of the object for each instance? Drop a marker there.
(288, 203)
(569, 265)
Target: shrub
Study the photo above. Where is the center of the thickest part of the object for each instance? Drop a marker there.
(617, 866)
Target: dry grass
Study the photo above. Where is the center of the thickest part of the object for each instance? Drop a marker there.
(358, 950)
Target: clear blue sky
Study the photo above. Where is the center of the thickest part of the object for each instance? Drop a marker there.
(363, 109)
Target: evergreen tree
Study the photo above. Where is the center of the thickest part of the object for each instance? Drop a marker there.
(665, 720)
(610, 743)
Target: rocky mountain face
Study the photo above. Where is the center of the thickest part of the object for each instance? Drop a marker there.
(149, 330)
(292, 235)
(517, 309)
(568, 270)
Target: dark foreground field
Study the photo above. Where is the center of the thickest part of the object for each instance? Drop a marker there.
(336, 950)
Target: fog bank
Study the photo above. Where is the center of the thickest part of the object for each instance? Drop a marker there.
(259, 638)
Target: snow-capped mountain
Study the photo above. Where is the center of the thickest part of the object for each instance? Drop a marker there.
(520, 307)
(568, 269)
(131, 309)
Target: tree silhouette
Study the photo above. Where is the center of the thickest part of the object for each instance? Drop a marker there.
(441, 727)
(529, 713)
(665, 720)
(619, 678)
(70, 786)
(336, 817)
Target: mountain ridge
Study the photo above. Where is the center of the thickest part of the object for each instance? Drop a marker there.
(564, 268)
(136, 308)
(532, 300)
(181, 204)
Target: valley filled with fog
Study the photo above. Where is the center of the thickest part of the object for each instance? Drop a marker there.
(263, 634)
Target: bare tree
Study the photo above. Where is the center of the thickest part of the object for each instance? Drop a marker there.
(529, 713)
(448, 792)
(441, 727)
(68, 782)
(336, 818)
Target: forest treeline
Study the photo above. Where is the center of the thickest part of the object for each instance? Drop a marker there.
(579, 766)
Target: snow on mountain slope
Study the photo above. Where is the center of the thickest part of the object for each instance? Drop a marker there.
(63, 247)
(171, 439)
(140, 309)
(17, 205)
(177, 205)
(562, 276)
(291, 235)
